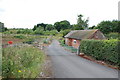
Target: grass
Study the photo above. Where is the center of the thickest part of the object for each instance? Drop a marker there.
(70, 48)
(21, 62)
(25, 60)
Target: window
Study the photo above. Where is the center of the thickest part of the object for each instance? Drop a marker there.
(75, 41)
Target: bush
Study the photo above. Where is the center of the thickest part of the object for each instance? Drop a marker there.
(29, 41)
(113, 36)
(20, 36)
(106, 50)
(21, 62)
(62, 41)
(65, 32)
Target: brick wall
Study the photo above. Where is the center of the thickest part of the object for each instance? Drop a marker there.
(72, 42)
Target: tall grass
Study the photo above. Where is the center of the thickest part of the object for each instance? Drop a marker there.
(21, 62)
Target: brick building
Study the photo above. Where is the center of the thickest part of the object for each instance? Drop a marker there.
(73, 38)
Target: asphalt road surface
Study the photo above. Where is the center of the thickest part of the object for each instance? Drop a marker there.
(69, 65)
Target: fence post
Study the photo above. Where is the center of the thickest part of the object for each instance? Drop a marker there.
(78, 50)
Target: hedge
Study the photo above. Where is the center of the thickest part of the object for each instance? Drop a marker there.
(106, 50)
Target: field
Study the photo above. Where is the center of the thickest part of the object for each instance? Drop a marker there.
(23, 58)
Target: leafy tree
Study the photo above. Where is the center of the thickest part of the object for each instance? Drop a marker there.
(42, 25)
(65, 24)
(24, 31)
(35, 27)
(57, 26)
(109, 26)
(2, 28)
(38, 31)
(82, 23)
(93, 27)
(62, 25)
(76, 27)
(65, 32)
(50, 27)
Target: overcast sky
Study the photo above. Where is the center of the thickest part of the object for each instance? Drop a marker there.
(27, 13)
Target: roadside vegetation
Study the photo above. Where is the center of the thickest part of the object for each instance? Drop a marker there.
(105, 50)
(24, 58)
(24, 61)
(21, 62)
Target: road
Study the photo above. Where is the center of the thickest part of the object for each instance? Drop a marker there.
(69, 65)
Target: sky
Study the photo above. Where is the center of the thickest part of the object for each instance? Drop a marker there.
(27, 13)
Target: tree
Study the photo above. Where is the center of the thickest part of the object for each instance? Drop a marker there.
(35, 27)
(57, 26)
(2, 28)
(62, 25)
(93, 27)
(82, 23)
(109, 26)
(65, 24)
(50, 27)
(76, 27)
(38, 31)
(42, 25)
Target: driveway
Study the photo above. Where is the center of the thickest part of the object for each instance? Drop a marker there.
(69, 65)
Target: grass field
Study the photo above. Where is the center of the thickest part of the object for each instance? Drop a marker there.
(24, 60)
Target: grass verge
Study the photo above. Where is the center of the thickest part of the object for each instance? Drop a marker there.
(21, 62)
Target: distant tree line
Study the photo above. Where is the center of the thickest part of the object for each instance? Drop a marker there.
(108, 26)
(64, 26)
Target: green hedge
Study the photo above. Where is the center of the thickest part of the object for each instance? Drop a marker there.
(106, 50)
(113, 35)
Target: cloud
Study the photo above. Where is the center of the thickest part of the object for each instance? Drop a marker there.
(27, 13)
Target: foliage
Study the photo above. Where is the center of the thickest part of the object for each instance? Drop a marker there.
(70, 48)
(2, 28)
(34, 28)
(62, 25)
(65, 32)
(42, 25)
(21, 62)
(106, 50)
(62, 41)
(50, 27)
(93, 27)
(39, 31)
(82, 23)
(77, 27)
(57, 26)
(25, 31)
(112, 35)
(29, 41)
(52, 32)
(19, 36)
(109, 26)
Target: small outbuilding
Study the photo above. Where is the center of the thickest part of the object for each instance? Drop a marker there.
(73, 38)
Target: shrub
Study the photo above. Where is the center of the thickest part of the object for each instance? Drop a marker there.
(29, 41)
(62, 41)
(106, 50)
(113, 36)
(65, 32)
(21, 62)
(20, 36)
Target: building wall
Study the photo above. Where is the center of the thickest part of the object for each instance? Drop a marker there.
(72, 42)
(75, 43)
(68, 41)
